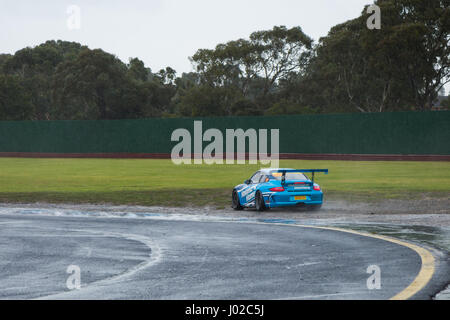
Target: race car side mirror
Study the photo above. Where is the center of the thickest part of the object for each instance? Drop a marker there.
(248, 181)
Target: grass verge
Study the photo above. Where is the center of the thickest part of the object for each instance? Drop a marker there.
(161, 183)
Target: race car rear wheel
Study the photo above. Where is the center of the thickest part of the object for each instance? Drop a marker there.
(259, 202)
(235, 203)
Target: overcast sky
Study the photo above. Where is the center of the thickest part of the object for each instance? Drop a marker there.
(162, 32)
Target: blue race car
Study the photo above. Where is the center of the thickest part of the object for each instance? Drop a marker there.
(271, 188)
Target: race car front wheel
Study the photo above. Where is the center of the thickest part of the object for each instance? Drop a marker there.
(235, 203)
(259, 202)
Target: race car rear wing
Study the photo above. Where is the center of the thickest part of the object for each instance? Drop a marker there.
(312, 171)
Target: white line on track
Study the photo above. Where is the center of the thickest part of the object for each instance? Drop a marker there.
(154, 258)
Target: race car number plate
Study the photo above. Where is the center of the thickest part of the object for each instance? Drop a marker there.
(300, 198)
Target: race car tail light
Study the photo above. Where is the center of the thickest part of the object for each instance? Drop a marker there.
(316, 188)
(277, 189)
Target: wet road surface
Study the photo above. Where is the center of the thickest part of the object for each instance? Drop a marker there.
(163, 258)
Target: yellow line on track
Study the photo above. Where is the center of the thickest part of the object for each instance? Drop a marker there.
(423, 277)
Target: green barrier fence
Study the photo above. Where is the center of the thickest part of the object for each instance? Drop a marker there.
(396, 133)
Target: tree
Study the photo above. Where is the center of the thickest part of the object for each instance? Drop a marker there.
(446, 103)
(34, 68)
(400, 67)
(280, 51)
(347, 70)
(138, 71)
(233, 64)
(420, 33)
(254, 67)
(3, 59)
(203, 101)
(166, 76)
(15, 102)
(92, 86)
(403, 66)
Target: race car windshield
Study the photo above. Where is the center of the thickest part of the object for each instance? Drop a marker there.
(289, 176)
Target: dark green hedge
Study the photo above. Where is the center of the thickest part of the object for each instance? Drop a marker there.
(376, 133)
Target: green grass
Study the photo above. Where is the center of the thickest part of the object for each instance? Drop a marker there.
(159, 182)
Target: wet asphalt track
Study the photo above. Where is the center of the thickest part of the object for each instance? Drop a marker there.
(123, 258)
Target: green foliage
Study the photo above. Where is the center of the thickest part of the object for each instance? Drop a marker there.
(400, 67)
(204, 101)
(446, 103)
(90, 86)
(253, 68)
(61, 80)
(288, 107)
(3, 59)
(138, 71)
(278, 71)
(15, 102)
